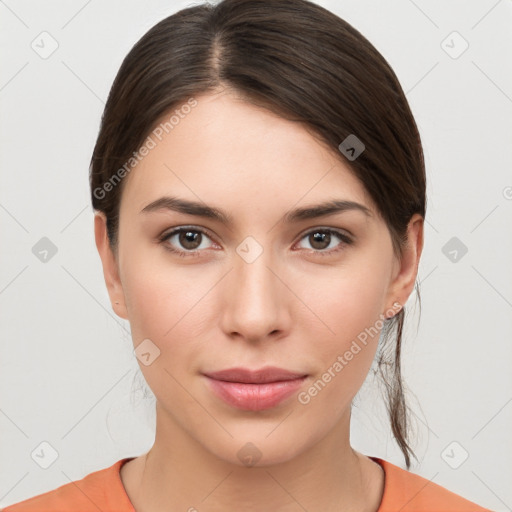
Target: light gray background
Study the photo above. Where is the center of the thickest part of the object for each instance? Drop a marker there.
(67, 370)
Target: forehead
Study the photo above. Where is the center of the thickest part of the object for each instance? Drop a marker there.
(228, 150)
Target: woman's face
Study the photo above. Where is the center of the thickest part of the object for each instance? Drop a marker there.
(253, 288)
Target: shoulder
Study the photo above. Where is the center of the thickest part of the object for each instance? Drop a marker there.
(408, 492)
(100, 490)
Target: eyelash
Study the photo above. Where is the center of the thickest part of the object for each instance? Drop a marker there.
(345, 240)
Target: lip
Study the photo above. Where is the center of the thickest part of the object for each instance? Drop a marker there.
(260, 376)
(254, 390)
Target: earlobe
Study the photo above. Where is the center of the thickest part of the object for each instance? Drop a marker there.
(110, 265)
(393, 310)
(403, 283)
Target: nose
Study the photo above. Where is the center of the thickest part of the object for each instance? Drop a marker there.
(256, 301)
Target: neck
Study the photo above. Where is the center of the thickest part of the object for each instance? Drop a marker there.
(178, 473)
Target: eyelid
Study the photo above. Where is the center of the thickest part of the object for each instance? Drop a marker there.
(178, 229)
(344, 235)
(338, 231)
(346, 240)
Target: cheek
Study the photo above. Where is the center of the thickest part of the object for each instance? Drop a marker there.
(350, 304)
(348, 301)
(343, 359)
(166, 304)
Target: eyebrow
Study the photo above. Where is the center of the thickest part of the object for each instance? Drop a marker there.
(202, 210)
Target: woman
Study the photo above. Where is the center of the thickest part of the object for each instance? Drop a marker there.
(259, 189)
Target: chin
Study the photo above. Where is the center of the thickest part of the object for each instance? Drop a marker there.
(256, 448)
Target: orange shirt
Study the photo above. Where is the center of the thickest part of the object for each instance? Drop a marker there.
(103, 490)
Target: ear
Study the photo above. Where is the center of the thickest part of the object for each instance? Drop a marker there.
(406, 270)
(110, 266)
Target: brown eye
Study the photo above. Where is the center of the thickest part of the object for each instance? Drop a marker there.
(186, 241)
(320, 240)
(326, 241)
(190, 239)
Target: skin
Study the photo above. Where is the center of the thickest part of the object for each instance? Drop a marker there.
(292, 307)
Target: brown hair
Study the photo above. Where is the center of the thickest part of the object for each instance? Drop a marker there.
(302, 62)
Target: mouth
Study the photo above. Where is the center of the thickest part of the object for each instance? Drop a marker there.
(254, 390)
